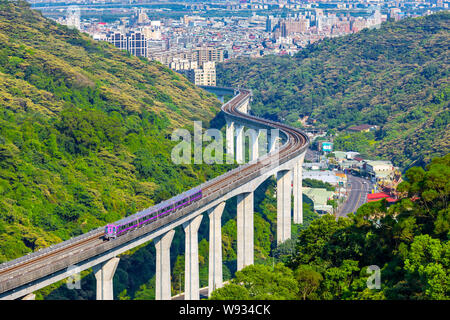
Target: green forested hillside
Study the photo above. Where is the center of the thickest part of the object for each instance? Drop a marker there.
(395, 77)
(84, 132)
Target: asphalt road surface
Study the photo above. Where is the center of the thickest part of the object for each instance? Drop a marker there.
(358, 190)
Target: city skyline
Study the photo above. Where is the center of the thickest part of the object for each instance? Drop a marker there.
(176, 42)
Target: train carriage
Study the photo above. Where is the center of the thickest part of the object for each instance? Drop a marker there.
(151, 214)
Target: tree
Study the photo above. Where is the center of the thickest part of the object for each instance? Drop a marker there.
(178, 275)
(428, 262)
(308, 280)
(284, 250)
(260, 282)
(123, 295)
(338, 279)
(311, 241)
(230, 291)
(69, 211)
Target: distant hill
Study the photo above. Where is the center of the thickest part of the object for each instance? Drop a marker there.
(396, 77)
(84, 131)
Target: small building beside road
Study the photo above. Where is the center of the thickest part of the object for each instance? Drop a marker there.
(342, 179)
(340, 156)
(324, 176)
(315, 166)
(371, 197)
(379, 170)
(319, 197)
(351, 155)
(338, 179)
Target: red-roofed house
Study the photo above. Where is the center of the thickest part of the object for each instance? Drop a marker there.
(377, 196)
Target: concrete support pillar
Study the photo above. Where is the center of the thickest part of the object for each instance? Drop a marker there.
(191, 276)
(273, 140)
(245, 107)
(254, 144)
(30, 296)
(283, 205)
(162, 244)
(230, 139)
(298, 191)
(245, 231)
(104, 273)
(215, 278)
(263, 142)
(240, 144)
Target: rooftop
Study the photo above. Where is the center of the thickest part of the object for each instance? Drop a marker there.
(325, 176)
(376, 196)
(318, 195)
(362, 127)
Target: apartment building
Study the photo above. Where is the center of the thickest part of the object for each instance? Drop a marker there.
(134, 42)
(204, 76)
(206, 54)
(198, 55)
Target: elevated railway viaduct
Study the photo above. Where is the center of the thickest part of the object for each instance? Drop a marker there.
(283, 157)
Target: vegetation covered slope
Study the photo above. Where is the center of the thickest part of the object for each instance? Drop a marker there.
(395, 77)
(84, 132)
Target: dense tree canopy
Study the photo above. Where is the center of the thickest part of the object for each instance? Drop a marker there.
(408, 242)
(260, 282)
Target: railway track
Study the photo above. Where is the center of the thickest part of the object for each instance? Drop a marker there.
(295, 142)
(57, 254)
(296, 139)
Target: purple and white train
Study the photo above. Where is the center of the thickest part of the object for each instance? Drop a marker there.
(151, 214)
